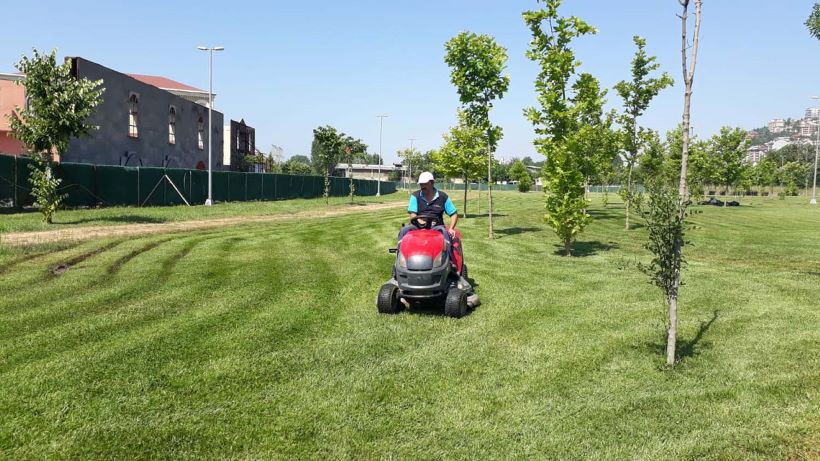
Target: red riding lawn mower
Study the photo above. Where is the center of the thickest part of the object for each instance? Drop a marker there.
(428, 271)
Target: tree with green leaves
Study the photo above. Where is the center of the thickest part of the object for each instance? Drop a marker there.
(765, 174)
(327, 149)
(463, 153)
(413, 160)
(352, 149)
(303, 159)
(666, 210)
(296, 167)
(726, 151)
(637, 94)
(477, 63)
(559, 122)
(792, 175)
(58, 107)
(519, 173)
(813, 22)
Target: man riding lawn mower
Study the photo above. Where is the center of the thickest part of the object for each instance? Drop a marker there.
(429, 264)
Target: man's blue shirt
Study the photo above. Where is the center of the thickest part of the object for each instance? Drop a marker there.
(413, 205)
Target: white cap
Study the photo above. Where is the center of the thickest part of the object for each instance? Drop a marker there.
(426, 177)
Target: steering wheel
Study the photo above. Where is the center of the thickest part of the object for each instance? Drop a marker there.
(425, 222)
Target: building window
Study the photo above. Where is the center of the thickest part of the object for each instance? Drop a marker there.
(200, 134)
(172, 125)
(133, 116)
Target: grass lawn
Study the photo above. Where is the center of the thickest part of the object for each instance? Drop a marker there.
(33, 221)
(262, 341)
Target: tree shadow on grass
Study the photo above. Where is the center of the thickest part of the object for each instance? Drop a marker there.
(687, 349)
(485, 215)
(605, 213)
(515, 231)
(125, 219)
(584, 249)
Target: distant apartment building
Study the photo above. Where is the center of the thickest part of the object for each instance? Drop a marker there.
(807, 127)
(813, 113)
(240, 141)
(777, 125)
(142, 120)
(11, 95)
(756, 153)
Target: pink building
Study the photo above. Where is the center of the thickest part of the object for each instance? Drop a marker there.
(11, 96)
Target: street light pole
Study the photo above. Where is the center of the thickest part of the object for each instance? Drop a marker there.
(816, 152)
(209, 201)
(410, 165)
(379, 183)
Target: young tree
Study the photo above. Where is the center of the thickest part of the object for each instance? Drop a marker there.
(295, 167)
(792, 174)
(57, 110)
(726, 152)
(413, 160)
(462, 155)
(559, 122)
(813, 23)
(327, 149)
(303, 159)
(667, 210)
(519, 173)
(637, 94)
(477, 63)
(765, 174)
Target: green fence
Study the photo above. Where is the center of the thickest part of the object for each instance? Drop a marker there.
(451, 186)
(96, 185)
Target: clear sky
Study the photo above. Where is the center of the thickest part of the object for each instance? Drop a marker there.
(291, 66)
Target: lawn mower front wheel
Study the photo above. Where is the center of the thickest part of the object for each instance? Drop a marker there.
(388, 300)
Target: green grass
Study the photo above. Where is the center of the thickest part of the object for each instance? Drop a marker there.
(33, 221)
(262, 341)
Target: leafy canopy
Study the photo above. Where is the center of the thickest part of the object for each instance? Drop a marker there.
(566, 117)
(58, 104)
(477, 63)
(813, 22)
(463, 154)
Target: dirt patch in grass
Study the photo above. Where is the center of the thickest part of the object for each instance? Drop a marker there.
(98, 232)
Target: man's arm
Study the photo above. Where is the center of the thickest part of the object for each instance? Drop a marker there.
(453, 221)
(412, 207)
(451, 211)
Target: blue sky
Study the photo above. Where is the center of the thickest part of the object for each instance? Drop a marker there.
(291, 66)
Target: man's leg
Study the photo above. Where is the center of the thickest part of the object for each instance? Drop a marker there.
(447, 239)
(404, 230)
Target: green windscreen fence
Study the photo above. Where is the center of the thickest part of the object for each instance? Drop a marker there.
(87, 185)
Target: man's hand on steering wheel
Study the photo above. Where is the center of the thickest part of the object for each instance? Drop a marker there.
(424, 222)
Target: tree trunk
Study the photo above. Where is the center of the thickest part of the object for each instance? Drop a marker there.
(567, 247)
(478, 209)
(489, 187)
(671, 343)
(628, 195)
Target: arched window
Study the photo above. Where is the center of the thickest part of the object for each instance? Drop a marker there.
(200, 134)
(133, 116)
(172, 125)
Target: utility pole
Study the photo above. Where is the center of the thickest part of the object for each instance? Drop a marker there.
(210, 200)
(379, 184)
(410, 163)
